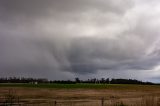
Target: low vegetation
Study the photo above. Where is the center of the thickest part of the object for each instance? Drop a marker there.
(92, 92)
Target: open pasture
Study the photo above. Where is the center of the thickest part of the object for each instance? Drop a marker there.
(80, 94)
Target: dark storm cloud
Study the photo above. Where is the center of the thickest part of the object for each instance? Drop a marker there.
(90, 55)
(39, 7)
(59, 39)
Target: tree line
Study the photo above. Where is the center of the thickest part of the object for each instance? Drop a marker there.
(22, 80)
(77, 80)
(112, 81)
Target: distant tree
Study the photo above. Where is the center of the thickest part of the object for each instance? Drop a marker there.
(77, 80)
(107, 81)
(102, 80)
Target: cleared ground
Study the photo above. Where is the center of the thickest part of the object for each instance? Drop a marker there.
(82, 94)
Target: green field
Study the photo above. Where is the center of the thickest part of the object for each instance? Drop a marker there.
(84, 86)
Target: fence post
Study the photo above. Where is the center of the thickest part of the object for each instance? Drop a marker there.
(102, 102)
(55, 103)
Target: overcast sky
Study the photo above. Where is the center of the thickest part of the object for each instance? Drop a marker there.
(64, 39)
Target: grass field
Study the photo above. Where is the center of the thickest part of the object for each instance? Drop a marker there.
(83, 94)
(84, 86)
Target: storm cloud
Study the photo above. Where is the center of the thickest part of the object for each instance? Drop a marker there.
(64, 39)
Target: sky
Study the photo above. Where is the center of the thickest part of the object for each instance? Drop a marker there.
(64, 39)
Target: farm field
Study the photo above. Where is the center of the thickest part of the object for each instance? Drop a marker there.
(80, 94)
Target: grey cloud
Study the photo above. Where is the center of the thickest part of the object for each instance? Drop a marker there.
(37, 7)
(60, 39)
(90, 55)
(30, 59)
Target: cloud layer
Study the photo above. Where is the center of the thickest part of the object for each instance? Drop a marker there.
(60, 39)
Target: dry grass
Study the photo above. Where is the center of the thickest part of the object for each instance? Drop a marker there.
(85, 97)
